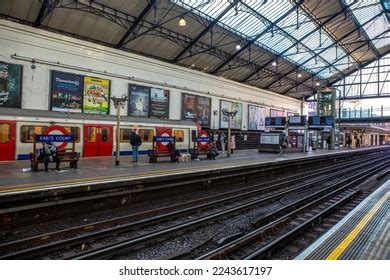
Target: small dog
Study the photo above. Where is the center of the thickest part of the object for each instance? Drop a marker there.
(184, 157)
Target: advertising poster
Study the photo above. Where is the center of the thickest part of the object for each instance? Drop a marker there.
(256, 118)
(66, 92)
(10, 85)
(203, 111)
(189, 107)
(139, 100)
(276, 113)
(225, 106)
(96, 95)
(159, 103)
(237, 120)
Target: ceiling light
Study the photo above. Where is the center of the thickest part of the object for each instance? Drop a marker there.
(274, 63)
(317, 84)
(238, 47)
(182, 22)
(299, 75)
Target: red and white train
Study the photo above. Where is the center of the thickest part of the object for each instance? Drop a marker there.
(94, 135)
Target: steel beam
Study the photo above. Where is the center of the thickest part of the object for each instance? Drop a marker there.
(46, 8)
(296, 43)
(207, 29)
(322, 69)
(132, 28)
(250, 42)
(360, 27)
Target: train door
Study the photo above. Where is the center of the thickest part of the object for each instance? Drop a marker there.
(98, 140)
(182, 138)
(7, 140)
(166, 132)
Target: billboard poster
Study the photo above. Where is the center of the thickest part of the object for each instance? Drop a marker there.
(256, 118)
(225, 106)
(203, 112)
(237, 120)
(189, 107)
(159, 103)
(10, 85)
(276, 113)
(139, 100)
(96, 95)
(66, 92)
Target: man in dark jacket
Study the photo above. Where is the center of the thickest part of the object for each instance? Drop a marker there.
(135, 142)
(49, 154)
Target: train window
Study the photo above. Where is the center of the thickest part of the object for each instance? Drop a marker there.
(92, 134)
(27, 132)
(75, 131)
(146, 135)
(105, 134)
(125, 134)
(179, 134)
(5, 132)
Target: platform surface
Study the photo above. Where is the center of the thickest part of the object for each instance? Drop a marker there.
(361, 235)
(15, 177)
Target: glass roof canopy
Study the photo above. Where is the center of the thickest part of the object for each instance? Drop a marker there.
(290, 33)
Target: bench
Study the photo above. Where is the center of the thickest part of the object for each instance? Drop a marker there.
(199, 150)
(65, 156)
(158, 151)
(71, 157)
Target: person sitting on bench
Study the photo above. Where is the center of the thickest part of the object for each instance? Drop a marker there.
(49, 154)
(174, 153)
(212, 152)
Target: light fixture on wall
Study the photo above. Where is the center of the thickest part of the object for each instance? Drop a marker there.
(182, 22)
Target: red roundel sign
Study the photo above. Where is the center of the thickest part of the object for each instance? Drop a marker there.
(203, 145)
(57, 130)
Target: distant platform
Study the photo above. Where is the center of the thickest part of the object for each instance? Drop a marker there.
(361, 235)
(16, 177)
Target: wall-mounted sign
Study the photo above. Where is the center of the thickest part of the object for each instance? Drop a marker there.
(96, 95)
(236, 121)
(159, 103)
(139, 99)
(275, 122)
(321, 121)
(256, 118)
(10, 85)
(297, 120)
(66, 92)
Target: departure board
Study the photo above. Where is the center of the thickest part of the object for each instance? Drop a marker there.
(275, 122)
(321, 121)
(297, 120)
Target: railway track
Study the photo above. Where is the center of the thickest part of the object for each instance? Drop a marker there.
(86, 246)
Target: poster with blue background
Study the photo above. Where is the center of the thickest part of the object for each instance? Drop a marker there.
(66, 93)
(139, 100)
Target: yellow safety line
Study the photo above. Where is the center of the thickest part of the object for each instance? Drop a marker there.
(336, 253)
(26, 187)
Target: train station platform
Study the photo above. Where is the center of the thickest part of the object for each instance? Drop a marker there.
(361, 235)
(15, 176)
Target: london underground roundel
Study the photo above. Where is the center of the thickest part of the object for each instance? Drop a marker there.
(203, 145)
(57, 130)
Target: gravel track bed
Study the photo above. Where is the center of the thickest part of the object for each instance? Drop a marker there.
(87, 218)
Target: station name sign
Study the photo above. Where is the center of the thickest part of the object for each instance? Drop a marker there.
(164, 139)
(202, 139)
(54, 138)
(321, 121)
(275, 122)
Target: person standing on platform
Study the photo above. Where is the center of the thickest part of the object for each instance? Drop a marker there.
(223, 142)
(135, 142)
(232, 143)
(349, 142)
(328, 142)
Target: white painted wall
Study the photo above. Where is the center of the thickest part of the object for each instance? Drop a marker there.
(56, 52)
